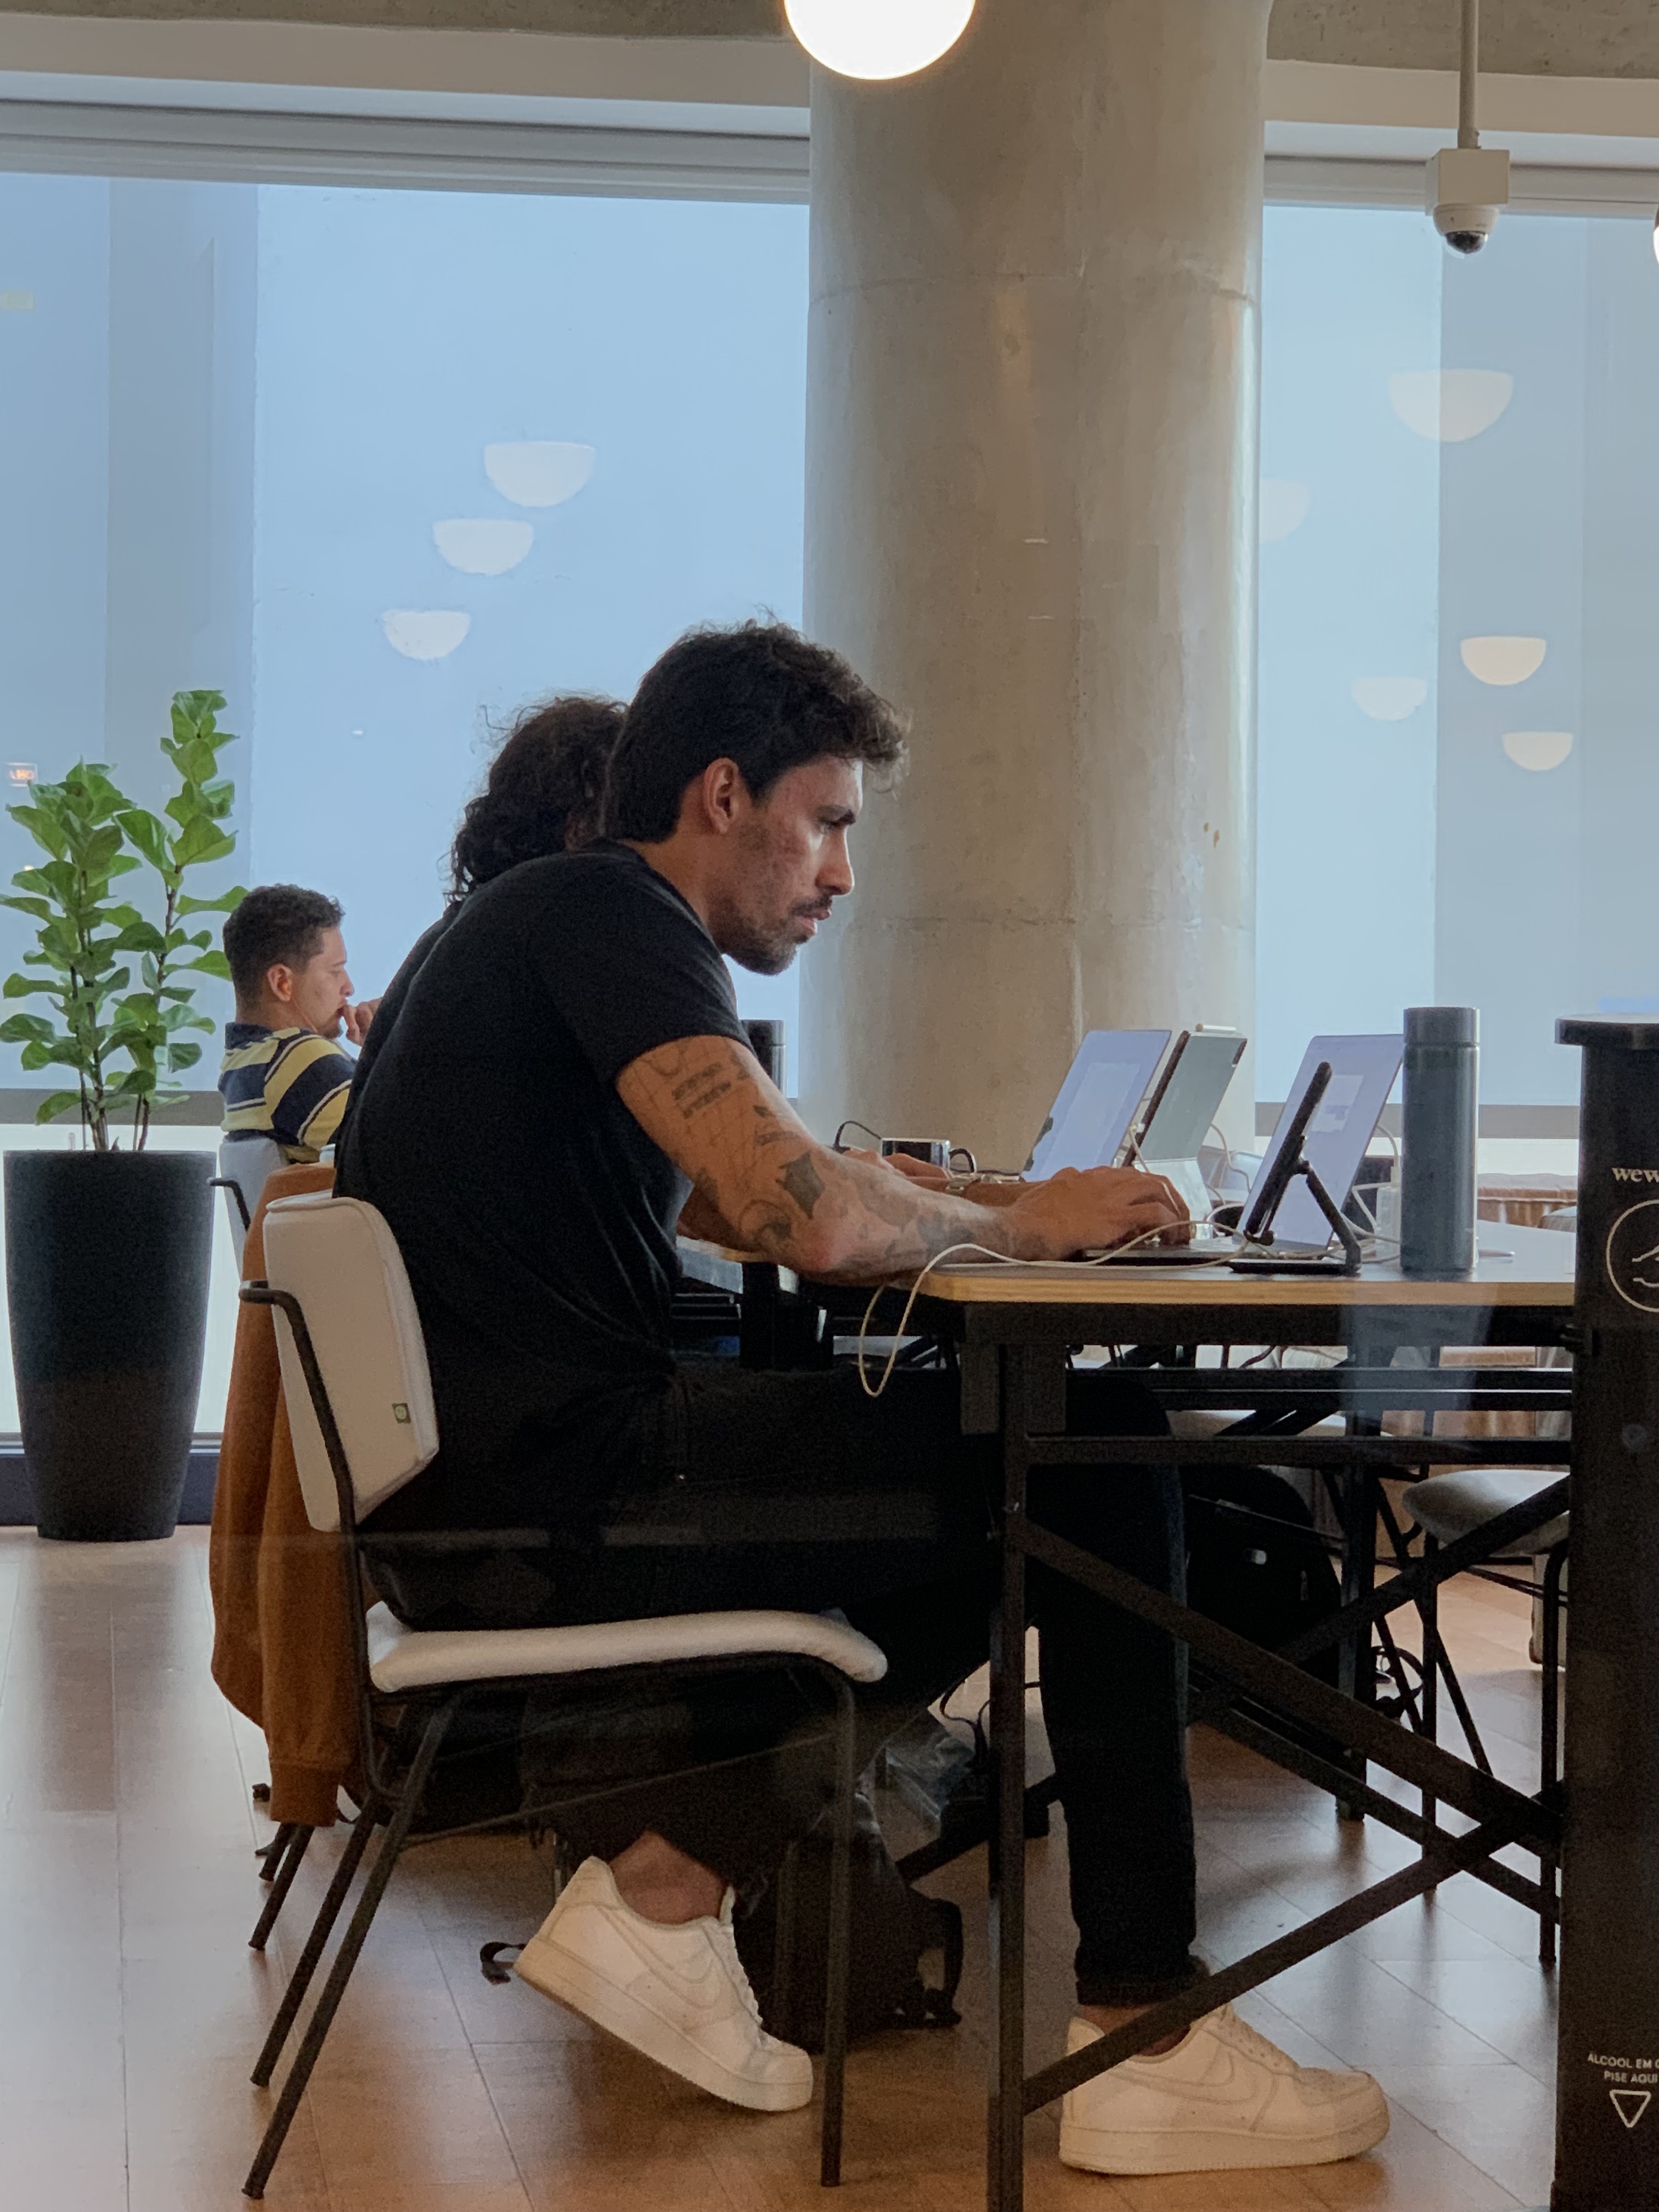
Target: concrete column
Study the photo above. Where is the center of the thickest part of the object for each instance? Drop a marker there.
(1031, 487)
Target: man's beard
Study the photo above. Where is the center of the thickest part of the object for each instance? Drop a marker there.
(763, 951)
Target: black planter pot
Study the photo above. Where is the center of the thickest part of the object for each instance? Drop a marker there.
(107, 1277)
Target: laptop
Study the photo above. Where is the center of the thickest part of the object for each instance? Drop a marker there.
(1098, 1100)
(1363, 1073)
(1181, 1109)
(1175, 1123)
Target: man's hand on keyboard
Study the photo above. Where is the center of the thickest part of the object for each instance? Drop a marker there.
(1092, 1209)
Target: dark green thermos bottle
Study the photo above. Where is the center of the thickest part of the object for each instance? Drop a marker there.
(1438, 1137)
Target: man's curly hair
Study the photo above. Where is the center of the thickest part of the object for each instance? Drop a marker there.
(543, 792)
(760, 694)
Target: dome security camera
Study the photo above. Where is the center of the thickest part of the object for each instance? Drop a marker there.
(1466, 189)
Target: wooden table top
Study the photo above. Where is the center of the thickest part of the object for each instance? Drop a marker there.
(1540, 1273)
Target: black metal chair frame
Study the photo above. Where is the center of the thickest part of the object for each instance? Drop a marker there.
(227, 1183)
(1435, 1666)
(1419, 1706)
(395, 1783)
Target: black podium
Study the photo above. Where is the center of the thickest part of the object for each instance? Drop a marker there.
(1607, 2154)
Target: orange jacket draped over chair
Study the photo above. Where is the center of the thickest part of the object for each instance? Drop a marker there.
(282, 1636)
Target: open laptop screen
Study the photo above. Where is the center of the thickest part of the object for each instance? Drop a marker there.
(1362, 1072)
(1192, 1092)
(1189, 1094)
(1099, 1100)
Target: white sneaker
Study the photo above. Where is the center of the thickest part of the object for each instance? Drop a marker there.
(678, 1994)
(1224, 2097)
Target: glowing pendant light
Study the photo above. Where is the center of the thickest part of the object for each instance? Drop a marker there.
(878, 38)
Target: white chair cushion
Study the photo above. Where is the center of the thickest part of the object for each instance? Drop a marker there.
(1202, 1423)
(1448, 1506)
(339, 1259)
(402, 1659)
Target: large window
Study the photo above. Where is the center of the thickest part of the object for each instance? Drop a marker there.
(1460, 666)
(384, 466)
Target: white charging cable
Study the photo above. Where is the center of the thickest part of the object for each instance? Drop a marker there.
(875, 1390)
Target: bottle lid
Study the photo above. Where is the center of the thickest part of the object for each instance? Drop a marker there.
(1442, 1025)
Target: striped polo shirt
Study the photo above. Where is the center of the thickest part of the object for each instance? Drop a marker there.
(288, 1083)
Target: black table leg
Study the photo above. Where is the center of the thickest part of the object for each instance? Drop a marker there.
(1355, 1674)
(1005, 2133)
(757, 1329)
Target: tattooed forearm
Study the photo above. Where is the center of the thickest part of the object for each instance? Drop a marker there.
(765, 1228)
(769, 1131)
(706, 1101)
(803, 1182)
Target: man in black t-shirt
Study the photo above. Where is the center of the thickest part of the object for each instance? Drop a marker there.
(567, 1067)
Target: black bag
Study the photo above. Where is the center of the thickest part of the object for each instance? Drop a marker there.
(1253, 1562)
(894, 1929)
(1256, 1565)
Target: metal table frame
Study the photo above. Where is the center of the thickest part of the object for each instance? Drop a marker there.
(1014, 1358)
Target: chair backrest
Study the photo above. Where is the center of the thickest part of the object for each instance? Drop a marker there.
(339, 1260)
(249, 1162)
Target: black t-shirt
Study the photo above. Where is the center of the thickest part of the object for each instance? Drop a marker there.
(535, 1217)
(392, 1002)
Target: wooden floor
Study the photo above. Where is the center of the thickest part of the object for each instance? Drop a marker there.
(130, 2007)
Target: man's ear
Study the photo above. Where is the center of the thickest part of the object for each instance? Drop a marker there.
(279, 983)
(721, 794)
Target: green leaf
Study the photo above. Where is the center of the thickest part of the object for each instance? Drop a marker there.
(201, 841)
(61, 1102)
(198, 760)
(37, 907)
(211, 964)
(60, 878)
(140, 937)
(144, 830)
(226, 903)
(194, 712)
(43, 826)
(183, 1053)
(102, 849)
(59, 1052)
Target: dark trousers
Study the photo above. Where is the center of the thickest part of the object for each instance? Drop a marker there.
(797, 1490)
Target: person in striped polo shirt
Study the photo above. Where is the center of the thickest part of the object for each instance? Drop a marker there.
(282, 1075)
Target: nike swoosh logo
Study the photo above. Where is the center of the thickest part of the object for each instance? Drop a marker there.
(704, 1990)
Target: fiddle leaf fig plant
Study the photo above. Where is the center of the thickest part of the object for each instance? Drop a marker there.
(91, 833)
(151, 1018)
(77, 959)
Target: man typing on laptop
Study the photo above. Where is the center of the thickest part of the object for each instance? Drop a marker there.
(579, 1010)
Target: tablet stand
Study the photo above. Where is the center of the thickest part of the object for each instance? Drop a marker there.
(1343, 1229)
